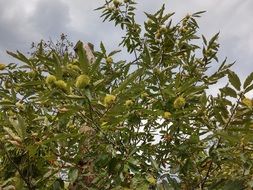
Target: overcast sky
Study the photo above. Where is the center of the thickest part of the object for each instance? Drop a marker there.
(25, 21)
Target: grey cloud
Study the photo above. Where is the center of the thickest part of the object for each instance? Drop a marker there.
(19, 27)
(12, 25)
(88, 26)
(23, 22)
(50, 18)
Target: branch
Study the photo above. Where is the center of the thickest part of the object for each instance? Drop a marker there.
(219, 140)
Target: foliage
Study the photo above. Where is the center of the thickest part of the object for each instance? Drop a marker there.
(147, 123)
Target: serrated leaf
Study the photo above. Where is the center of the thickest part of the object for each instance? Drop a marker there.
(248, 80)
(234, 80)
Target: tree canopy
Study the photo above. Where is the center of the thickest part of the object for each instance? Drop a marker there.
(74, 118)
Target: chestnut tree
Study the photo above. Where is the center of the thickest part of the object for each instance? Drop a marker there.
(72, 122)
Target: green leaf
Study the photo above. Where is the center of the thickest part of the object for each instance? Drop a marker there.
(102, 160)
(58, 184)
(102, 7)
(248, 80)
(113, 165)
(250, 183)
(57, 64)
(249, 88)
(12, 134)
(7, 104)
(76, 97)
(233, 185)
(146, 57)
(114, 52)
(102, 47)
(154, 164)
(31, 83)
(128, 80)
(98, 82)
(19, 126)
(73, 174)
(167, 16)
(198, 13)
(213, 39)
(32, 149)
(234, 80)
(229, 91)
(20, 57)
(95, 65)
(151, 17)
(204, 40)
(134, 166)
